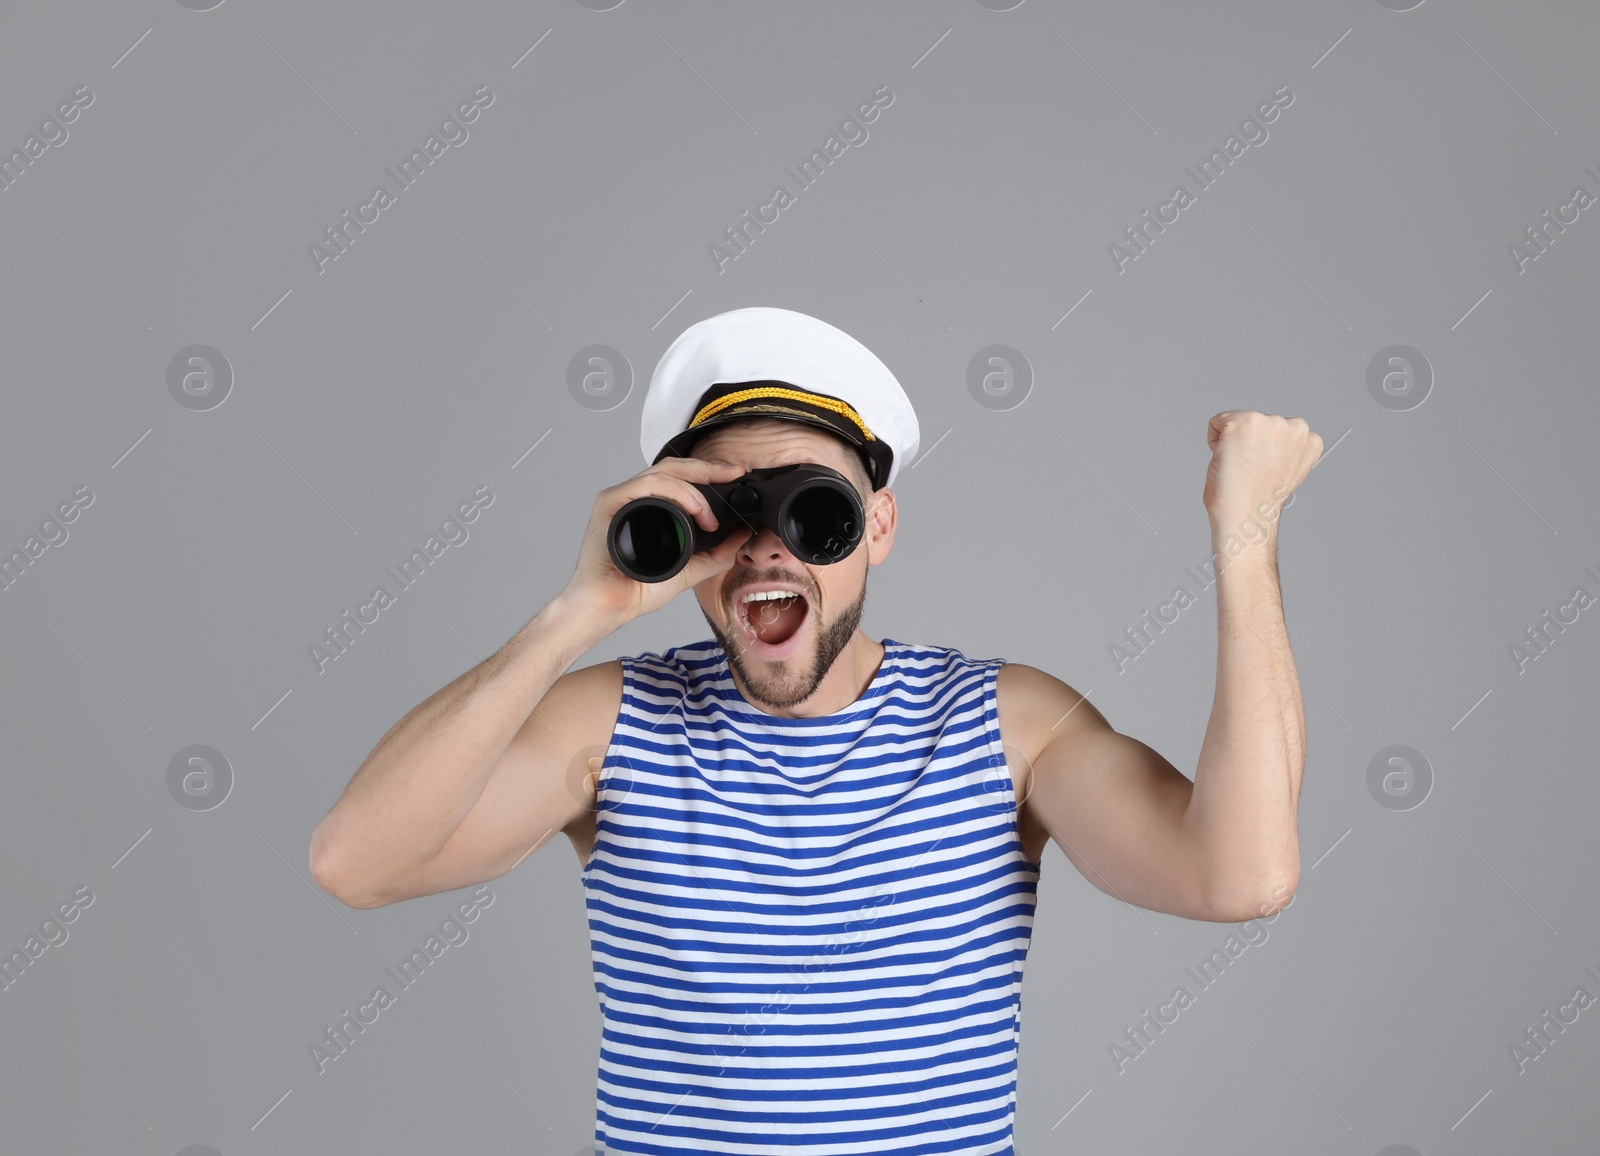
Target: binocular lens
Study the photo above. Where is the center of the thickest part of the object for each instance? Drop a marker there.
(822, 522)
(814, 510)
(650, 541)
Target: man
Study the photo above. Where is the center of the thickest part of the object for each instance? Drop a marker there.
(809, 859)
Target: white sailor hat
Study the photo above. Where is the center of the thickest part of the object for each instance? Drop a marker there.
(768, 362)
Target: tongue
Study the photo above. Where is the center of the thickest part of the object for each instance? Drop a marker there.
(776, 621)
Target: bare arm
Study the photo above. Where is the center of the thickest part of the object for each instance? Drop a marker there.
(1244, 814)
(1223, 847)
(386, 837)
(1243, 817)
(475, 777)
(1226, 846)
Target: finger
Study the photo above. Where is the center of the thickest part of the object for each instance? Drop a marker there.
(709, 563)
(704, 472)
(694, 502)
(699, 469)
(660, 484)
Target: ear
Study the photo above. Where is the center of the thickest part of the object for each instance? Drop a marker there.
(882, 515)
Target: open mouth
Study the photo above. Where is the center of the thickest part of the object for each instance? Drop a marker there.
(772, 620)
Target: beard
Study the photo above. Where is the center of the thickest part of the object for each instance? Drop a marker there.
(768, 684)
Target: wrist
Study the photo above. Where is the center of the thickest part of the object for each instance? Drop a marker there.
(1248, 518)
(544, 649)
(576, 620)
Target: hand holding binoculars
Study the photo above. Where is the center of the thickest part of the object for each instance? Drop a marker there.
(813, 509)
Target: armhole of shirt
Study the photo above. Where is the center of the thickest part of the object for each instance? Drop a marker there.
(624, 712)
(602, 780)
(991, 722)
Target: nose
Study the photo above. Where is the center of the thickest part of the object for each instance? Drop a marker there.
(763, 546)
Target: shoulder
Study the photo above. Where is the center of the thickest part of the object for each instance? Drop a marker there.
(591, 699)
(1037, 707)
(586, 696)
(1028, 684)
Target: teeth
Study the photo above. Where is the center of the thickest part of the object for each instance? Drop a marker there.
(768, 596)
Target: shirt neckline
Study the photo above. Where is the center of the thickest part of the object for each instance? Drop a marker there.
(739, 707)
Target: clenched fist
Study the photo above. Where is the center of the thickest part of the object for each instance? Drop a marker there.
(1255, 458)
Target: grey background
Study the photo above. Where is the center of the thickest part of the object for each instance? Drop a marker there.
(430, 357)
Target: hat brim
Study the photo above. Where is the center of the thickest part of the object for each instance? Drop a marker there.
(875, 456)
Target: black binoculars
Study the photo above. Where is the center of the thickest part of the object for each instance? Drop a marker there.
(813, 509)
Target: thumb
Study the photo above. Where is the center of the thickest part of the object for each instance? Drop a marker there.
(1214, 430)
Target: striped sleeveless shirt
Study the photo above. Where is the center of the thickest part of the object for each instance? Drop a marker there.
(808, 934)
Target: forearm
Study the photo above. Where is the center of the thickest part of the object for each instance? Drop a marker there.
(1243, 812)
(424, 776)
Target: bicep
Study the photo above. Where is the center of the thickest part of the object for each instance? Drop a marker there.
(542, 783)
(1116, 809)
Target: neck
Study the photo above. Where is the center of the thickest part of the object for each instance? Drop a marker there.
(852, 672)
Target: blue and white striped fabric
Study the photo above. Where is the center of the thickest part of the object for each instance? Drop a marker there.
(808, 934)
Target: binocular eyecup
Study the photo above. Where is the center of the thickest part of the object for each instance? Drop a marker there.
(814, 510)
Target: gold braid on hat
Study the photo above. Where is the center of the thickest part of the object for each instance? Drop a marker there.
(711, 409)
